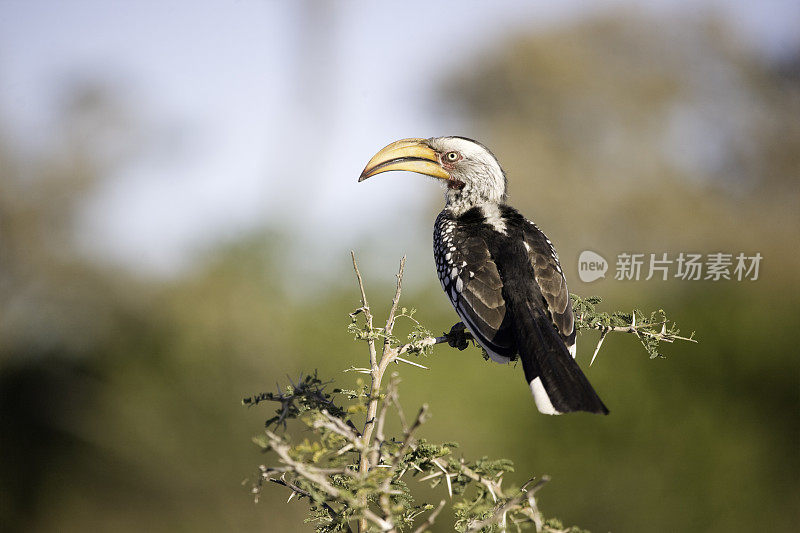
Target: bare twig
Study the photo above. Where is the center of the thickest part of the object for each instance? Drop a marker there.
(367, 313)
(431, 518)
(396, 300)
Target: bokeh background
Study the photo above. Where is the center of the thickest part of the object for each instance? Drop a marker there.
(178, 198)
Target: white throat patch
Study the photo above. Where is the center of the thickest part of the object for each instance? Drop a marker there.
(494, 218)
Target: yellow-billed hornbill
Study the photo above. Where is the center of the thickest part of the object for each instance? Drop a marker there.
(499, 270)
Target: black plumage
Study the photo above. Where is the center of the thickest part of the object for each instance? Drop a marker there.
(503, 277)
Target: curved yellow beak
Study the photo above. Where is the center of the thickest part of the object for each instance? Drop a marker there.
(409, 154)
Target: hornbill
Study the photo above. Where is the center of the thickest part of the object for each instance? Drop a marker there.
(499, 270)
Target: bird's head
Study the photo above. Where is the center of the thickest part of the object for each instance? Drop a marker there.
(471, 171)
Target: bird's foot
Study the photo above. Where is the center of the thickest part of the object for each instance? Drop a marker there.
(458, 337)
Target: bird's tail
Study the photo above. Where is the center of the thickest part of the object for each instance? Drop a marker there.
(557, 382)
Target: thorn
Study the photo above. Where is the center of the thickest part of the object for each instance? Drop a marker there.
(411, 363)
(599, 344)
(494, 496)
(447, 478)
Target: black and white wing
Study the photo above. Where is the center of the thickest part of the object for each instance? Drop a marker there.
(471, 280)
(552, 284)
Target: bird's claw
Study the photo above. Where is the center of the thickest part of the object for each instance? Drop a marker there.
(458, 337)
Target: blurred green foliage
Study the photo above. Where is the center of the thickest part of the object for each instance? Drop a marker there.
(120, 396)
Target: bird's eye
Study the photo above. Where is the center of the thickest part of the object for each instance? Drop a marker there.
(452, 156)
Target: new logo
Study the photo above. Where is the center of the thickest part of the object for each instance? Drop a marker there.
(591, 266)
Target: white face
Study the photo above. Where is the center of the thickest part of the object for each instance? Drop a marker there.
(472, 164)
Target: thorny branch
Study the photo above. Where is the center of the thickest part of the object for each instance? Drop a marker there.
(361, 476)
(501, 510)
(651, 331)
(301, 492)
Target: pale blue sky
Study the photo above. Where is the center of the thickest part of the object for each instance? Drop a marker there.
(269, 110)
